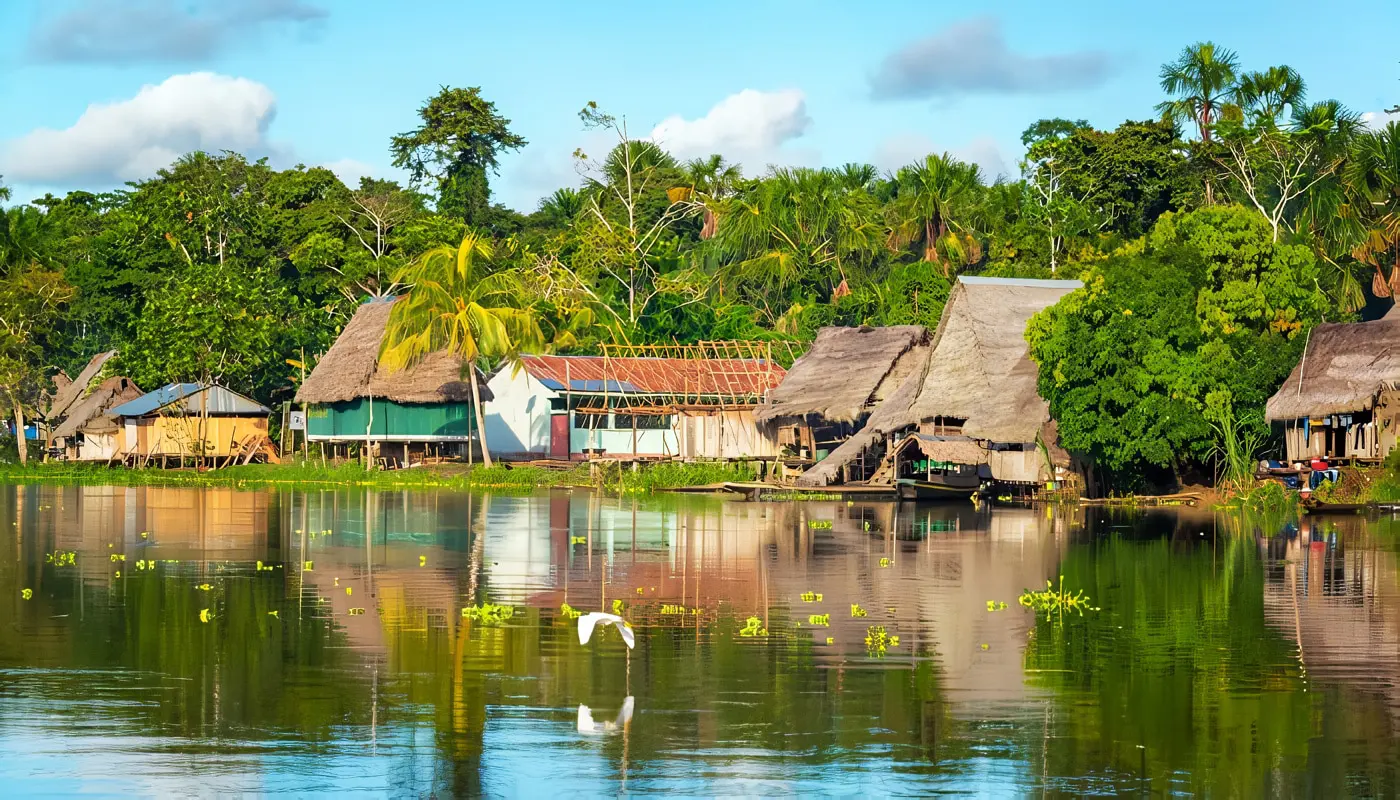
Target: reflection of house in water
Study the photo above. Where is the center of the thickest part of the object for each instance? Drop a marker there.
(1338, 597)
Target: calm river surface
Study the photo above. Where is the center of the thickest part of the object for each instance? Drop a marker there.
(159, 641)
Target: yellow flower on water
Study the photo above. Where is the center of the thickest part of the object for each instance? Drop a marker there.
(273, 614)
(831, 640)
(26, 593)
(347, 590)
(422, 561)
(145, 535)
(119, 573)
(204, 587)
(306, 566)
(259, 566)
(984, 645)
(204, 615)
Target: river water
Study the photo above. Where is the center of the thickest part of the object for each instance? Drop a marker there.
(174, 641)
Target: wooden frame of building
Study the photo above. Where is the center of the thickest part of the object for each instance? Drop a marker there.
(635, 402)
(1342, 400)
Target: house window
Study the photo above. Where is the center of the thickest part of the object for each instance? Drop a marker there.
(558, 404)
(588, 422)
(655, 422)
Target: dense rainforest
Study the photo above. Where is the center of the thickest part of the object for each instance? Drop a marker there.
(1210, 235)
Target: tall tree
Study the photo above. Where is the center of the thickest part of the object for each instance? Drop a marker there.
(456, 303)
(1202, 81)
(1373, 175)
(933, 203)
(456, 146)
(712, 179)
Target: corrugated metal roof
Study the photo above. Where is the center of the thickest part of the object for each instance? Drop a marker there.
(191, 397)
(675, 376)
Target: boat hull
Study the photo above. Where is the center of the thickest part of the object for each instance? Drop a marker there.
(937, 490)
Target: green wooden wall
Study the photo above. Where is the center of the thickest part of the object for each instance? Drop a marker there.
(420, 421)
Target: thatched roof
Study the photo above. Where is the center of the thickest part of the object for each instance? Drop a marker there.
(953, 449)
(979, 371)
(350, 369)
(1342, 370)
(89, 413)
(845, 370)
(975, 369)
(68, 392)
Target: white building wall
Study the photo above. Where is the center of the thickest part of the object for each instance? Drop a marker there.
(517, 416)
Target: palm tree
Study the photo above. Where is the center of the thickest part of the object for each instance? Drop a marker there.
(933, 203)
(456, 304)
(1373, 176)
(711, 180)
(1203, 80)
(561, 208)
(1330, 219)
(796, 224)
(1266, 94)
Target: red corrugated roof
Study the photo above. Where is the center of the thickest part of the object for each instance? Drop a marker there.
(675, 376)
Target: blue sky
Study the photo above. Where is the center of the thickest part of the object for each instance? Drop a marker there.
(329, 81)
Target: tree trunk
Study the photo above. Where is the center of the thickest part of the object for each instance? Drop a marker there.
(19, 434)
(480, 421)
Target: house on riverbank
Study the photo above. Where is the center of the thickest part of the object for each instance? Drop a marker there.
(975, 392)
(1342, 400)
(89, 431)
(688, 401)
(831, 390)
(350, 398)
(191, 419)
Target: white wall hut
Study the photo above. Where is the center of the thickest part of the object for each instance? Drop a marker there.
(976, 384)
(575, 407)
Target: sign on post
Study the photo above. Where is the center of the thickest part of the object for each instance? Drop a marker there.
(297, 421)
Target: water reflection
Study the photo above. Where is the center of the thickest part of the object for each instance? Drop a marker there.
(1229, 657)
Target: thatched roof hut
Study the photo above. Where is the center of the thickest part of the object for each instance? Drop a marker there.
(350, 368)
(844, 372)
(1343, 370)
(976, 370)
(90, 413)
(68, 392)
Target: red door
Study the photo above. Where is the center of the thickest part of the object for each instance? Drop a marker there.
(559, 436)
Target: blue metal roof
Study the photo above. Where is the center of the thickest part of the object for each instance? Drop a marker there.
(191, 398)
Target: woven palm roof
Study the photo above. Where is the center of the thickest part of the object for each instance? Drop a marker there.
(91, 412)
(845, 370)
(1343, 369)
(350, 368)
(702, 378)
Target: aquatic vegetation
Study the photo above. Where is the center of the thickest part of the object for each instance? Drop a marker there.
(204, 587)
(204, 615)
(27, 594)
(856, 610)
(1056, 600)
(819, 524)
(349, 590)
(885, 562)
(118, 557)
(811, 597)
(422, 561)
(878, 641)
(820, 620)
(578, 540)
(489, 613)
(569, 612)
(617, 607)
(993, 605)
(671, 609)
(61, 558)
(753, 626)
(356, 612)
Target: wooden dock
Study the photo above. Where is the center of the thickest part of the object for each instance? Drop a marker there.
(775, 491)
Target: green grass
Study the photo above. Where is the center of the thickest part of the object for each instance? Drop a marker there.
(653, 477)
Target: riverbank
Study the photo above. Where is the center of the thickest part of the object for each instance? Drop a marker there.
(648, 477)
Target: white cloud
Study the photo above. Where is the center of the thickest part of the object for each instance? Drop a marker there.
(1375, 120)
(350, 171)
(750, 127)
(131, 139)
(903, 149)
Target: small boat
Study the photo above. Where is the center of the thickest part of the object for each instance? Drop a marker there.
(952, 486)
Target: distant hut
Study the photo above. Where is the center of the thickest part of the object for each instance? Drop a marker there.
(831, 390)
(685, 401)
(192, 419)
(89, 432)
(349, 397)
(1342, 401)
(68, 392)
(977, 387)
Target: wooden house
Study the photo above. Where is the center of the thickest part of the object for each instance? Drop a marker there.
(350, 398)
(88, 431)
(1342, 401)
(192, 419)
(688, 402)
(976, 388)
(831, 390)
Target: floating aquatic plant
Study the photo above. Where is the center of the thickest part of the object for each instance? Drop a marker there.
(357, 612)
(489, 613)
(26, 593)
(753, 627)
(823, 620)
(993, 605)
(204, 615)
(856, 610)
(568, 611)
(1053, 600)
(61, 558)
(618, 607)
(811, 597)
(878, 640)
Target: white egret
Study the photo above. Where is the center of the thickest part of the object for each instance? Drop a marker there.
(587, 725)
(587, 622)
